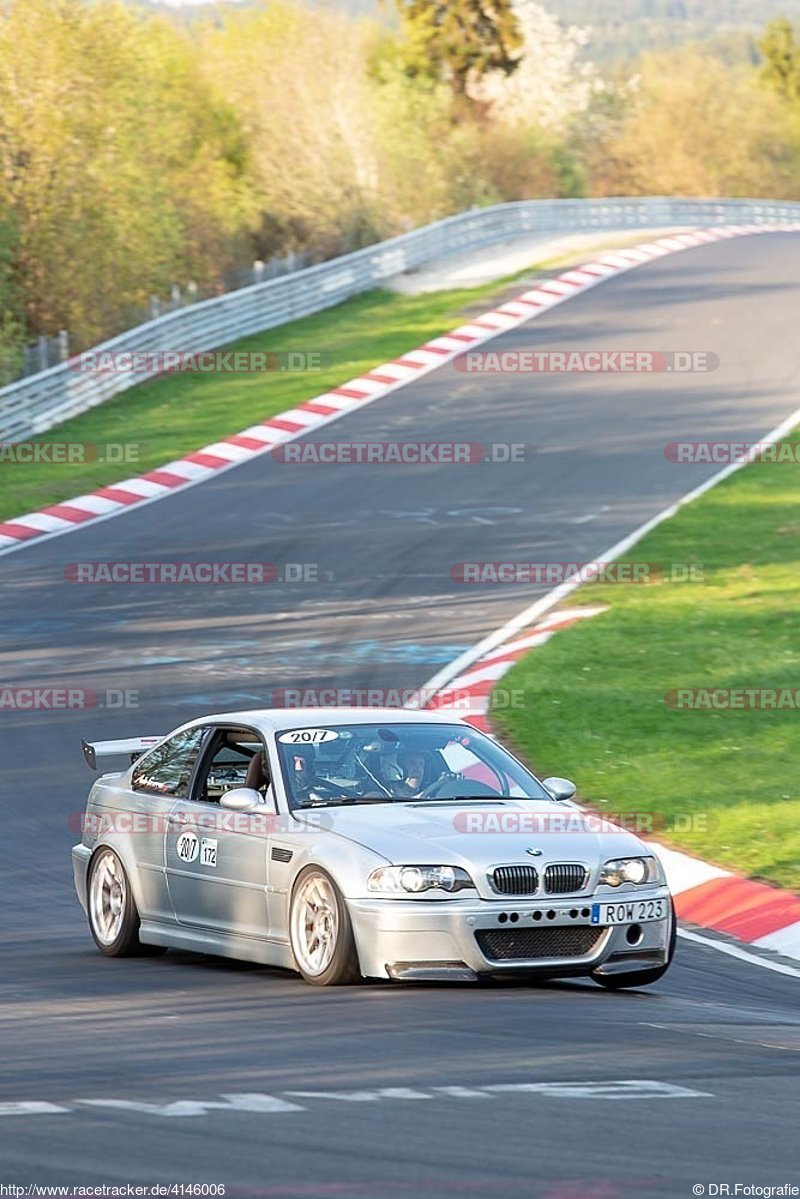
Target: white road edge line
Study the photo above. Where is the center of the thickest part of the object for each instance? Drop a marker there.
(541, 606)
(735, 951)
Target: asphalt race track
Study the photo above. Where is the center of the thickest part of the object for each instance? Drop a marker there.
(387, 1090)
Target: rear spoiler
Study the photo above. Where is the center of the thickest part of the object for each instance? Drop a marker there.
(135, 746)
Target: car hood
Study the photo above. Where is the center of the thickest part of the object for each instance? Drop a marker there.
(478, 834)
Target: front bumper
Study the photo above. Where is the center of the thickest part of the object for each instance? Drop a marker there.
(459, 938)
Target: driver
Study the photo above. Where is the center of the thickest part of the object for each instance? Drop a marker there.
(414, 765)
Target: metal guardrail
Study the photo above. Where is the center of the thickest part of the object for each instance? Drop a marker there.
(37, 403)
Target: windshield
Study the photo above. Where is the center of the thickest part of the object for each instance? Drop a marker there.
(392, 763)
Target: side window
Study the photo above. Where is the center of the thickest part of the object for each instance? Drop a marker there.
(167, 769)
(227, 764)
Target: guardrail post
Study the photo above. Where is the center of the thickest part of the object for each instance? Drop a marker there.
(63, 345)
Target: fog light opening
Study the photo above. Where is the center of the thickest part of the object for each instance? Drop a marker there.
(634, 934)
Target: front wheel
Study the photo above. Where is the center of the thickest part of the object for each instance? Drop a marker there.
(642, 978)
(320, 931)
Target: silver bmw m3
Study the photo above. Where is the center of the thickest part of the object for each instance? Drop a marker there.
(349, 843)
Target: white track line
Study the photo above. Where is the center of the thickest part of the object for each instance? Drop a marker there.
(736, 951)
(532, 613)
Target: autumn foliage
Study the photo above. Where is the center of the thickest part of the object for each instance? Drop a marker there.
(139, 151)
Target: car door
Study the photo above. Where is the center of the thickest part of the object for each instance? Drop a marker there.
(217, 860)
(157, 778)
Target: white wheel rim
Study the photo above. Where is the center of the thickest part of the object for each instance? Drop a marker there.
(107, 898)
(315, 924)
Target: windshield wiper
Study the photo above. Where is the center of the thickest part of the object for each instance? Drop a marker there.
(341, 800)
(462, 799)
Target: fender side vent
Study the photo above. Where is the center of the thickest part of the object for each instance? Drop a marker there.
(281, 855)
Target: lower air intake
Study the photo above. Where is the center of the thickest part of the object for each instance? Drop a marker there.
(513, 945)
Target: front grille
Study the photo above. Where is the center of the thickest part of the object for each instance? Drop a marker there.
(515, 880)
(516, 944)
(564, 878)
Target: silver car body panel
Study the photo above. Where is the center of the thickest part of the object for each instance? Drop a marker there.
(239, 905)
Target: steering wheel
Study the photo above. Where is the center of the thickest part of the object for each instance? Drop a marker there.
(451, 786)
(433, 789)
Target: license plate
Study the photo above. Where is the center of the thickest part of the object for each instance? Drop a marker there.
(629, 911)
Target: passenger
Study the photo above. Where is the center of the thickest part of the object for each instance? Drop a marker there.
(301, 771)
(257, 774)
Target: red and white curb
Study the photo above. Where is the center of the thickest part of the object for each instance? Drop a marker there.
(259, 439)
(705, 895)
(468, 694)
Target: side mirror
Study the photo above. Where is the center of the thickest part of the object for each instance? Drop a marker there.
(243, 799)
(561, 789)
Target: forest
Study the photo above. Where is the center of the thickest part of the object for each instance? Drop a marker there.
(142, 150)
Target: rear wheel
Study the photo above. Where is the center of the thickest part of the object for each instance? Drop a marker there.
(320, 931)
(113, 916)
(642, 978)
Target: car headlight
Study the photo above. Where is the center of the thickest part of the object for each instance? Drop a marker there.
(639, 871)
(414, 880)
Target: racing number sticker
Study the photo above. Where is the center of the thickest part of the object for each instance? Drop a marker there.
(308, 736)
(187, 847)
(208, 851)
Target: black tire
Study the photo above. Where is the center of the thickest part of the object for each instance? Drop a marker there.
(339, 966)
(642, 978)
(108, 884)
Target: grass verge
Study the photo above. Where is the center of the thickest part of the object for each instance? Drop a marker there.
(722, 784)
(174, 415)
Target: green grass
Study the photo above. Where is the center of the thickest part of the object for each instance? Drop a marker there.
(721, 784)
(174, 415)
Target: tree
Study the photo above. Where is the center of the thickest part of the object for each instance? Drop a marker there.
(11, 329)
(460, 41)
(552, 83)
(781, 67)
(123, 171)
(692, 126)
